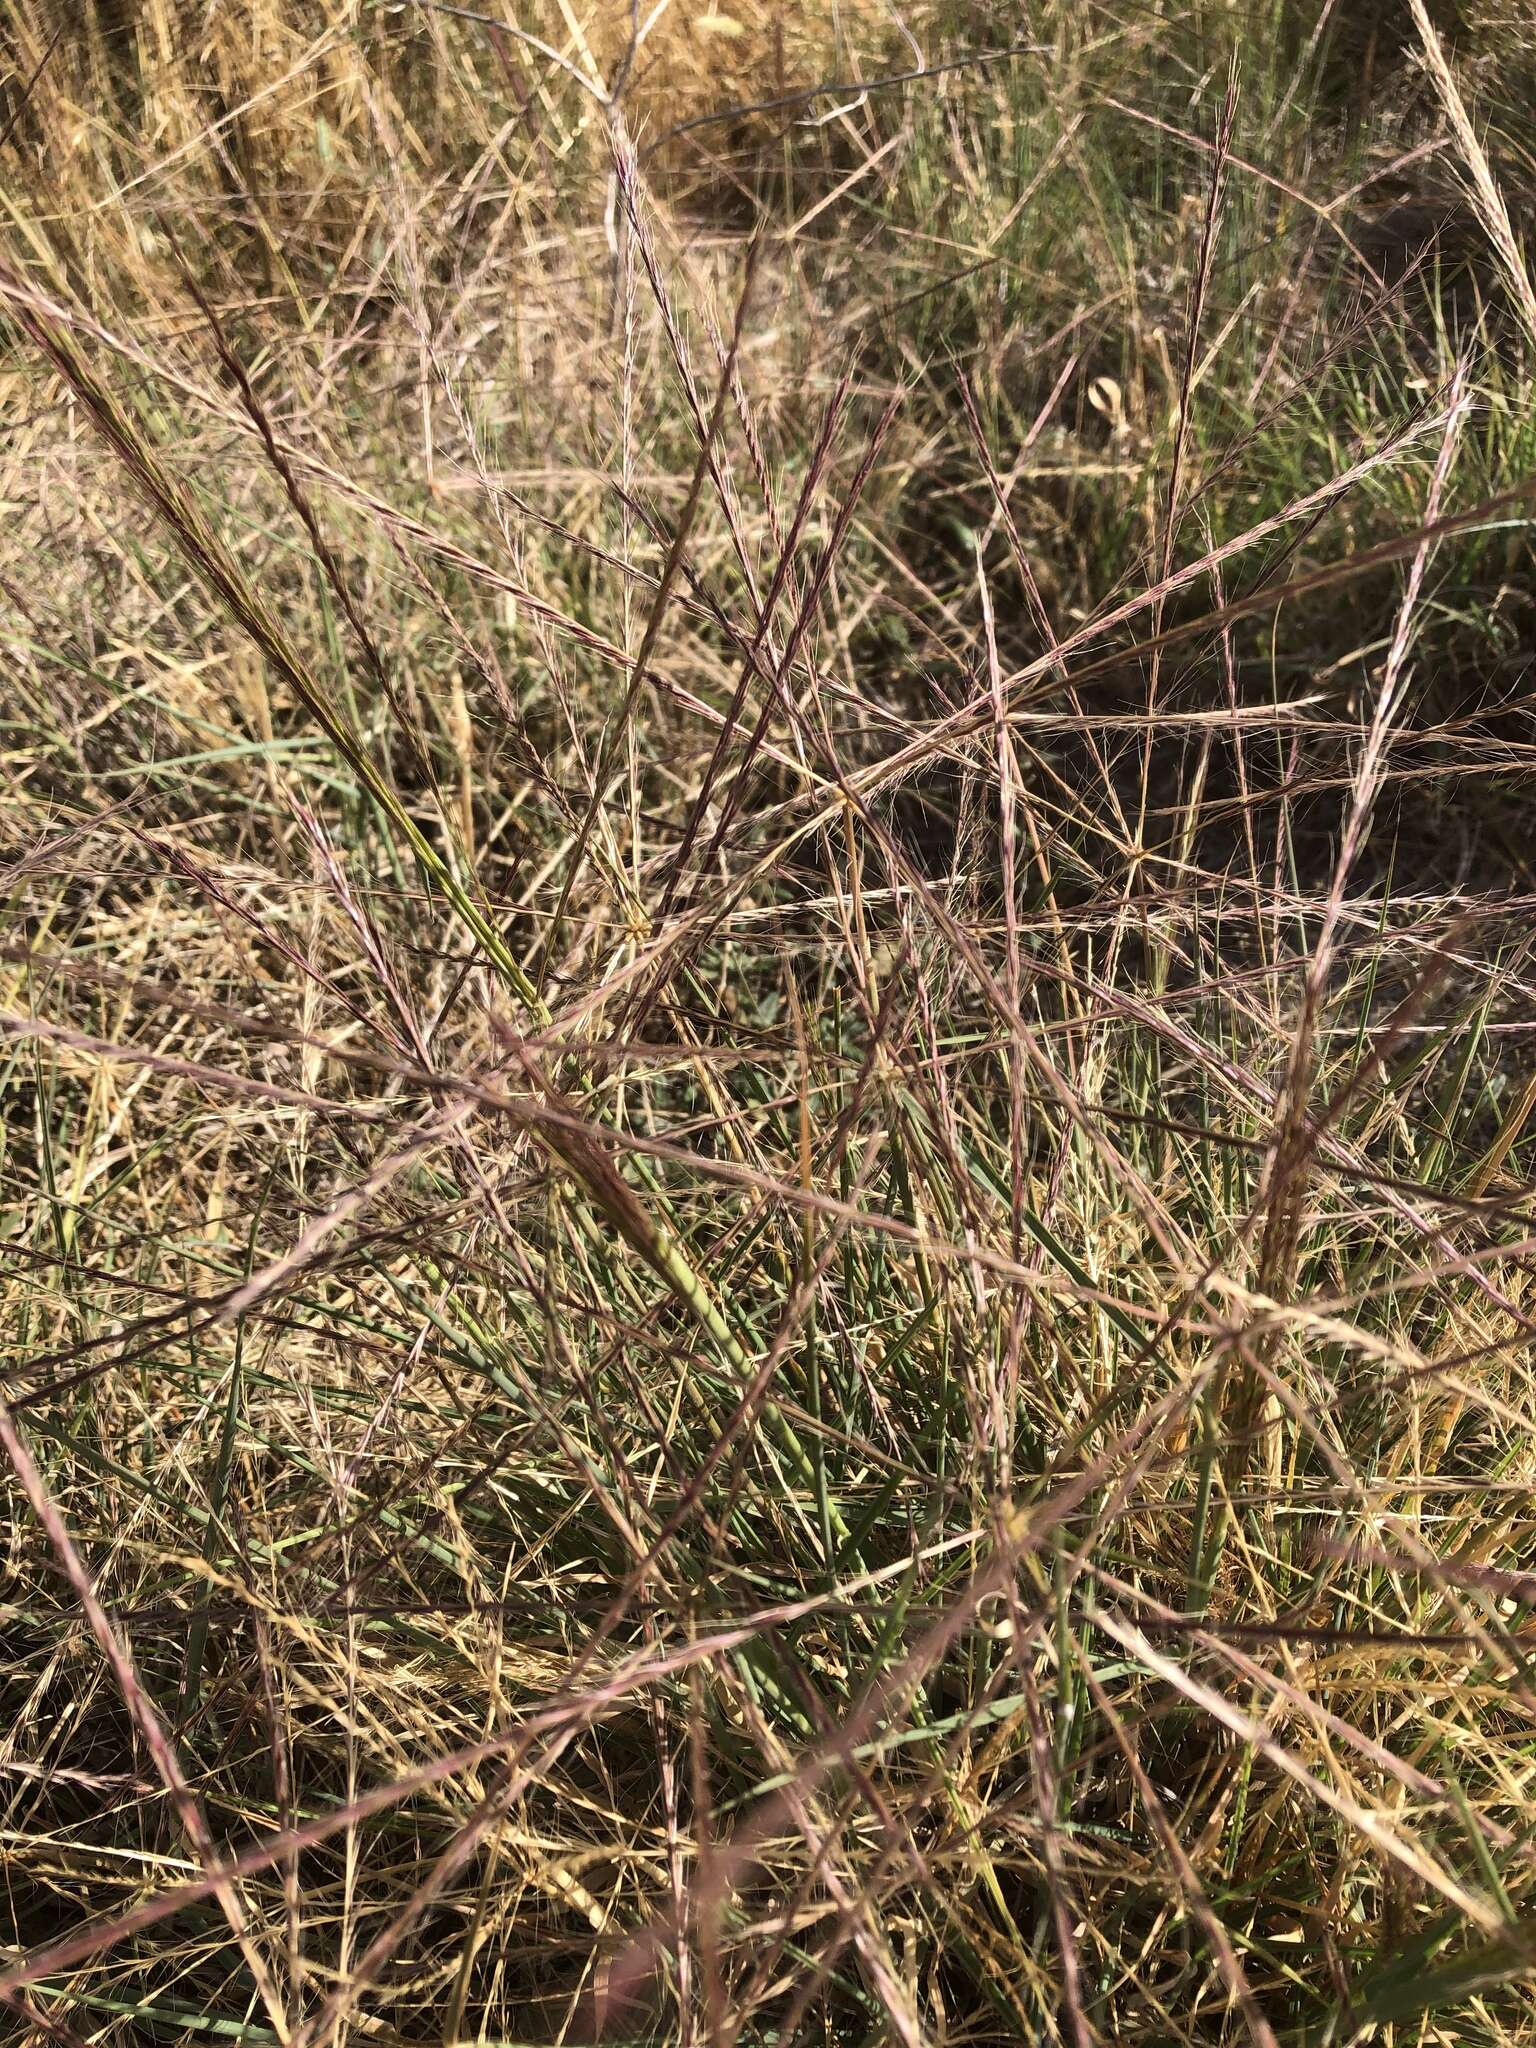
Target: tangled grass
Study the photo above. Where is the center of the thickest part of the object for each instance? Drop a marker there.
(766, 1216)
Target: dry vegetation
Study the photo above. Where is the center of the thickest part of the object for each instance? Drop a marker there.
(766, 1215)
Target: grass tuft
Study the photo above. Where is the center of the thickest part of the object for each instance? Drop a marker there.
(766, 1184)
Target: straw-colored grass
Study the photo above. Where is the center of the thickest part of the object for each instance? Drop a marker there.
(765, 1212)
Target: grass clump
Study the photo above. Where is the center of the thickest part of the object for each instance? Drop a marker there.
(766, 1190)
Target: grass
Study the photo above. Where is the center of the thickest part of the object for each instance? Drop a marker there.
(766, 1184)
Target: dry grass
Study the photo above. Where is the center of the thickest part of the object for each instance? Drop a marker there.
(765, 1223)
